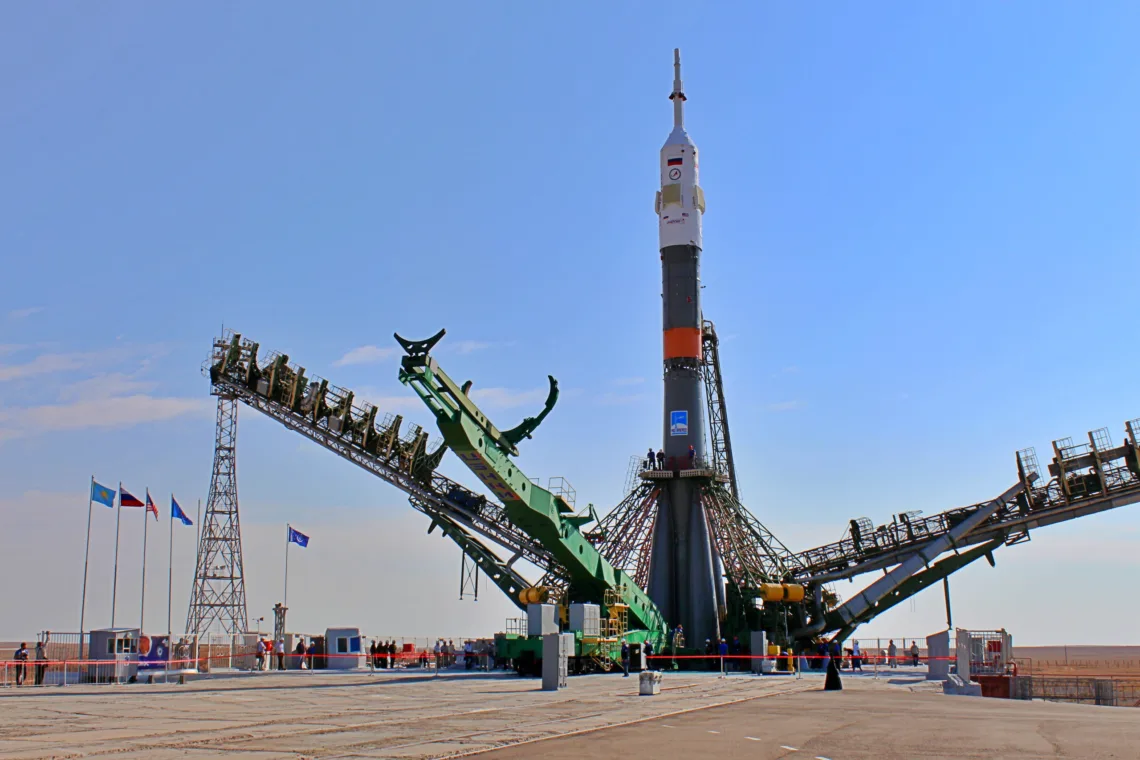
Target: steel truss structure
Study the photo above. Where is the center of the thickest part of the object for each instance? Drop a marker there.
(913, 551)
(719, 437)
(335, 419)
(218, 596)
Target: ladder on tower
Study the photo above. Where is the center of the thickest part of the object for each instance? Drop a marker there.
(718, 413)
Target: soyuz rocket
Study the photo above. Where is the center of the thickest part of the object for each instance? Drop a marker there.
(685, 573)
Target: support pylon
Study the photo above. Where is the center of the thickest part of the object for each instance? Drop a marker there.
(218, 596)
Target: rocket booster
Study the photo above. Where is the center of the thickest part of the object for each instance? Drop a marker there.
(683, 567)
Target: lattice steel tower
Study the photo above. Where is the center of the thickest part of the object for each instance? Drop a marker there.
(218, 595)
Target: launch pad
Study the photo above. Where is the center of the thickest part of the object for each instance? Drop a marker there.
(680, 559)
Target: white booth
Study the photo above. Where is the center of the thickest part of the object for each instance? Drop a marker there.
(116, 652)
(344, 649)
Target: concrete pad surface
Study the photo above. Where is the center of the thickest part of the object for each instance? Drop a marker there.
(349, 715)
(399, 715)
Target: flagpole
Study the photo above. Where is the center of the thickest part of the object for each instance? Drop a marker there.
(115, 582)
(86, 557)
(146, 524)
(285, 601)
(170, 575)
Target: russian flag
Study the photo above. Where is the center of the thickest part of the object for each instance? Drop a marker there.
(126, 500)
(674, 162)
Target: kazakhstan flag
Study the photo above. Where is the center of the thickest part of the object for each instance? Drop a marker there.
(102, 494)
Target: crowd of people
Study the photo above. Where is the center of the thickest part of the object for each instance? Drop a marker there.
(853, 657)
(271, 654)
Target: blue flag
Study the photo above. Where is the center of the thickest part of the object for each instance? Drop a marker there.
(177, 513)
(102, 494)
(298, 538)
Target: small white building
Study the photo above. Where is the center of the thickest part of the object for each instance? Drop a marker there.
(344, 649)
(117, 653)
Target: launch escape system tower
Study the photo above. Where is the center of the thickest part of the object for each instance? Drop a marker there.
(680, 548)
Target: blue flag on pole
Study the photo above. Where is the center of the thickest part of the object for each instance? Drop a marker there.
(177, 513)
(102, 494)
(298, 538)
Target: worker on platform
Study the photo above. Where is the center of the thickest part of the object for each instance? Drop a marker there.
(650, 459)
(660, 459)
(914, 653)
(625, 658)
(692, 456)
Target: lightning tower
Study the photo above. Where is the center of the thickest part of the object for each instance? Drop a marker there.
(218, 595)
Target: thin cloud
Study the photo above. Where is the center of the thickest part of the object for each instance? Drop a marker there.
(119, 412)
(24, 313)
(104, 386)
(471, 346)
(365, 355)
(785, 406)
(506, 398)
(47, 364)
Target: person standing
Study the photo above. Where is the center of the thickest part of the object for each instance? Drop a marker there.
(21, 658)
(692, 456)
(625, 658)
(261, 654)
(41, 662)
(650, 459)
(856, 657)
(391, 653)
(722, 650)
(914, 653)
(660, 459)
(300, 652)
(892, 654)
(311, 653)
(279, 647)
(648, 649)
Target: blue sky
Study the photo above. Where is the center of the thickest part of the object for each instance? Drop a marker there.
(920, 253)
